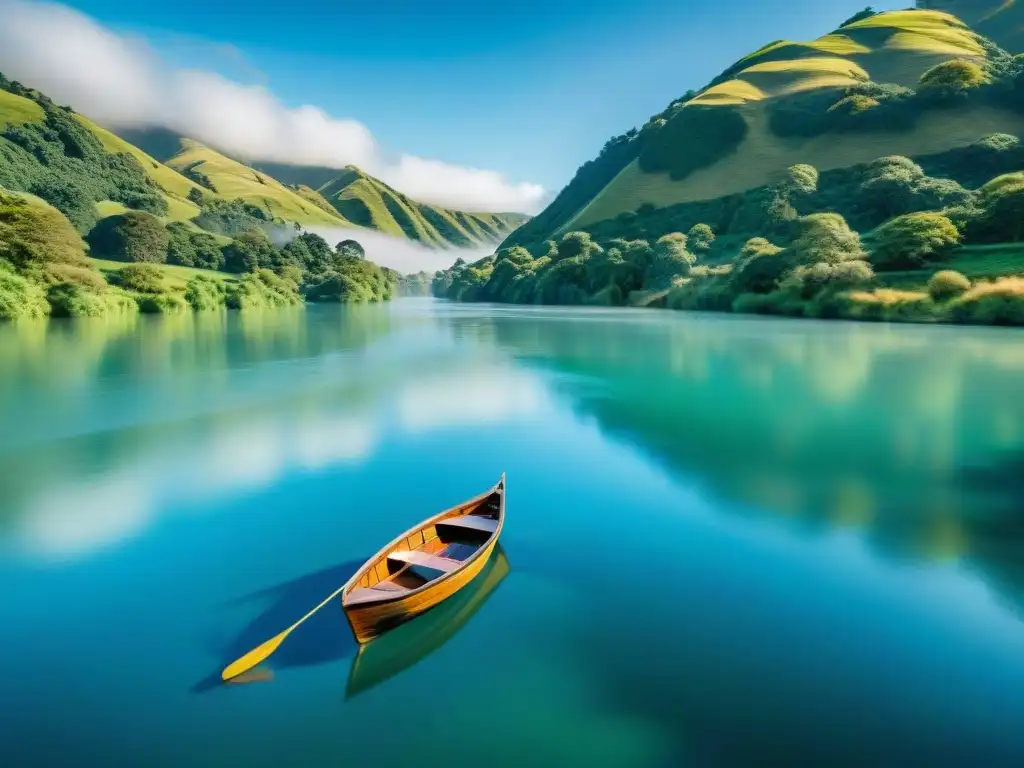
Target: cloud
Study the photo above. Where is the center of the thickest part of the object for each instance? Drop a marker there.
(119, 80)
(403, 255)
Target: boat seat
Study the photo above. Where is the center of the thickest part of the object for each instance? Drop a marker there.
(474, 522)
(376, 592)
(414, 557)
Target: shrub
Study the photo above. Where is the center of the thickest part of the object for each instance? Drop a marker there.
(73, 300)
(20, 297)
(867, 13)
(576, 245)
(204, 293)
(1002, 210)
(947, 284)
(35, 233)
(700, 237)
(696, 137)
(825, 237)
(907, 242)
(261, 288)
(992, 303)
(131, 236)
(808, 280)
(951, 81)
(759, 267)
(142, 278)
(350, 249)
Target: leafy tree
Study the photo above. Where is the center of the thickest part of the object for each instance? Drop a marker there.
(130, 236)
(576, 245)
(758, 268)
(825, 237)
(867, 13)
(1002, 210)
(700, 238)
(910, 241)
(350, 249)
(248, 252)
(196, 196)
(808, 280)
(68, 197)
(670, 261)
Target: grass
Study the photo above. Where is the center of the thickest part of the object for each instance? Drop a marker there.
(730, 92)
(175, 277)
(16, 110)
(973, 261)
(235, 180)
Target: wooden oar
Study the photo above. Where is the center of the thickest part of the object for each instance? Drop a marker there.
(262, 651)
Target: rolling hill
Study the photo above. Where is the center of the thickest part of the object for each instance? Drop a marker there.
(755, 120)
(313, 195)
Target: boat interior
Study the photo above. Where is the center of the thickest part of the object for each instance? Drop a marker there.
(430, 552)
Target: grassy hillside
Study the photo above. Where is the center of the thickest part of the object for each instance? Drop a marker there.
(838, 101)
(232, 180)
(1000, 20)
(317, 195)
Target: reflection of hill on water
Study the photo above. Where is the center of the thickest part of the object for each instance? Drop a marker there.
(832, 425)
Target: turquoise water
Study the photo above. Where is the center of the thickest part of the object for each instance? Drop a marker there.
(730, 541)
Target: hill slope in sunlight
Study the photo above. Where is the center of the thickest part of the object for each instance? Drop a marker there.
(313, 195)
(866, 90)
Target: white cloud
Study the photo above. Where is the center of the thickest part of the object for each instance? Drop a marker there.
(403, 255)
(119, 80)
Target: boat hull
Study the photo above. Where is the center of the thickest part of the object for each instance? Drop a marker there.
(370, 620)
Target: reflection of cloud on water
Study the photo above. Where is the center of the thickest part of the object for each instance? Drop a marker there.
(482, 396)
(80, 516)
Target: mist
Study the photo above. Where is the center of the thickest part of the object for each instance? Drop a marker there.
(401, 255)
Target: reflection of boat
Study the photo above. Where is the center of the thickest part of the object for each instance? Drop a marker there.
(398, 650)
(423, 566)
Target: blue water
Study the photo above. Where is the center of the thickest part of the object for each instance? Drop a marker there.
(730, 541)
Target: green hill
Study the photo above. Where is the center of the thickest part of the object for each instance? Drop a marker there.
(1002, 21)
(839, 101)
(315, 195)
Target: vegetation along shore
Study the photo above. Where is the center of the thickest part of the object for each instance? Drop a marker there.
(876, 173)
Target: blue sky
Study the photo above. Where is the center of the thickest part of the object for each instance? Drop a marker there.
(530, 89)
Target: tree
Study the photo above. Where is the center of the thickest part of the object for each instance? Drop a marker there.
(867, 13)
(808, 280)
(576, 245)
(670, 261)
(890, 185)
(909, 241)
(758, 268)
(825, 237)
(1002, 204)
(350, 249)
(248, 252)
(130, 236)
(700, 238)
(142, 278)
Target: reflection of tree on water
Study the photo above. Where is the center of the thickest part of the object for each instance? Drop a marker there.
(844, 425)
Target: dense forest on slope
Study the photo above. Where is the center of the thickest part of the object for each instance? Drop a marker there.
(941, 235)
(159, 241)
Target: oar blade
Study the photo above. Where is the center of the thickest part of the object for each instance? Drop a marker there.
(253, 657)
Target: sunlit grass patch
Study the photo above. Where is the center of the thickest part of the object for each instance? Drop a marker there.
(17, 110)
(730, 92)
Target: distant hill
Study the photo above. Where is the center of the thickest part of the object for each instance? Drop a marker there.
(314, 195)
(842, 100)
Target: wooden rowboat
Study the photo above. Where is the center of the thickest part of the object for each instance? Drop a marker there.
(407, 645)
(425, 565)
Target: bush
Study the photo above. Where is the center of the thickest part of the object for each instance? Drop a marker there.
(132, 236)
(33, 233)
(907, 242)
(825, 237)
(162, 303)
(261, 288)
(1002, 210)
(808, 280)
(947, 284)
(759, 267)
(951, 81)
(73, 300)
(697, 137)
(996, 303)
(700, 237)
(861, 107)
(867, 13)
(142, 278)
(205, 293)
(20, 297)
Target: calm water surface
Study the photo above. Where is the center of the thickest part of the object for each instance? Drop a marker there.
(730, 541)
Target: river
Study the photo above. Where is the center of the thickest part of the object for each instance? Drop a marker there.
(730, 541)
